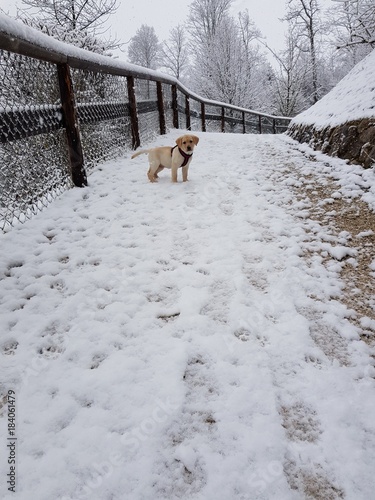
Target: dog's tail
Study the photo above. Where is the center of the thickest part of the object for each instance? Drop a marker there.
(140, 152)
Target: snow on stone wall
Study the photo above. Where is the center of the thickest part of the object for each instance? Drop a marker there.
(342, 123)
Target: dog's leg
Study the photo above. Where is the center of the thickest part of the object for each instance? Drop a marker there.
(174, 170)
(174, 174)
(154, 168)
(150, 175)
(185, 173)
(160, 168)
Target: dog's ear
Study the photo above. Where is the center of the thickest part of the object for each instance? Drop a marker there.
(179, 142)
(195, 139)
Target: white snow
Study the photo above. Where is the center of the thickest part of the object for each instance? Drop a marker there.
(353, 98)
(368, 323)
(339, 252)
(186, 340)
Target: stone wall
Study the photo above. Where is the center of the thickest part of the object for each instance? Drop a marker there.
(353, 141)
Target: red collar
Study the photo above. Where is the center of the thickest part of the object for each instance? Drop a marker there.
(185, 156)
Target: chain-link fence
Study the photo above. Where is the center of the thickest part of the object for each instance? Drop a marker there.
(33, 154)
(64, 110)
(102, 108)
(168, 109)
(148, 115)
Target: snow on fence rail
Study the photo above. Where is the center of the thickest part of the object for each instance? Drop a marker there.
(65, 109)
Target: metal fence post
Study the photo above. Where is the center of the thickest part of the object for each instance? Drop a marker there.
(77, 170)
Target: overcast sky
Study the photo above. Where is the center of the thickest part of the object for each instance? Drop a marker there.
(166, 14)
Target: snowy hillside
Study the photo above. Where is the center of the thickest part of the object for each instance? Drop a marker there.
(188, 341)
(353, 98)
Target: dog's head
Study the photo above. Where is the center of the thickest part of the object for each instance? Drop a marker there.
(187, 142)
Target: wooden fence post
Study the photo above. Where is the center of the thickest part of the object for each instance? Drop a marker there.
(223, 119)
(77, 170)
(274, 125)
(187, 113)
(159, 92)
(136, 142)
(243, 123)
(260, 124)
(175, 107)
(203, 116)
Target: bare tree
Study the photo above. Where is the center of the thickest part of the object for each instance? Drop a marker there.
(224, 63)
(356, 18)
(204, 24)
(80, 22)
(174, 52)
(248, 31)
(232, 71)
(75, 14)
(350, 28)
(251, 58)
(289, 77)
(205, 18)
(305, 15)
(144, 48)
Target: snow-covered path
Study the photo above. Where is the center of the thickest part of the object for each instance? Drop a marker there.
(182, 341)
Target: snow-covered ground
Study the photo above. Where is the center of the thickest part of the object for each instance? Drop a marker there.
(185, 341)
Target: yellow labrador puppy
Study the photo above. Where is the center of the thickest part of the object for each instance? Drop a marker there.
(173, 158)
